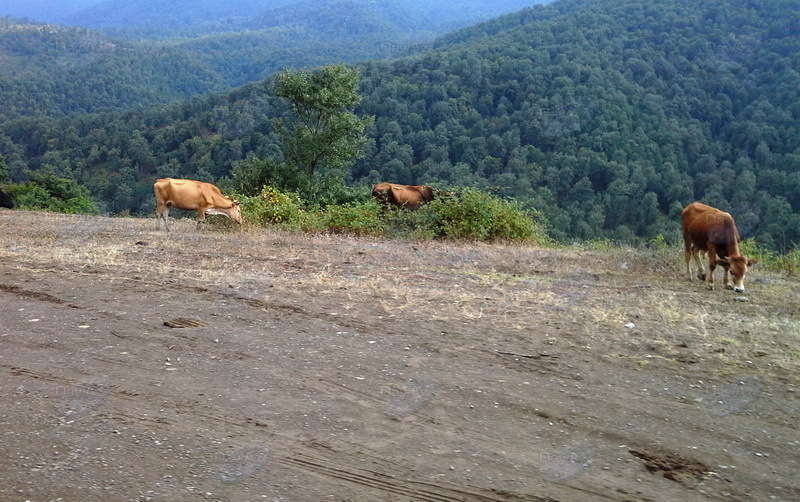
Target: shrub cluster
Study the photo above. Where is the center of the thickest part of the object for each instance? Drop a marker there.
(352, 218)
(273, 207)
(48, 192)
(479, 216)
(469, 214)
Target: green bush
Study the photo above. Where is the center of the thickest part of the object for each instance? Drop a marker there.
(48, 192)
(353, 218)
(659, 243)
(600, 244)
(273, 207)
(478, 216)
(409, 224)
(471, 215)
(790, 262)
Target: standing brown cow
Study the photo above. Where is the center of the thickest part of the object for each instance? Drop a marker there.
(709, 230)
(404, 196)
(191, 195)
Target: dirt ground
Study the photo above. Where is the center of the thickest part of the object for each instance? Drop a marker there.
(245, 365)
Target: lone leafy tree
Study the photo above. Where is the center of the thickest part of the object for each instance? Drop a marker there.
(322, 136)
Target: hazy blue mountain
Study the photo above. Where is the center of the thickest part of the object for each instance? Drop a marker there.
(171, 17)
(44, 10)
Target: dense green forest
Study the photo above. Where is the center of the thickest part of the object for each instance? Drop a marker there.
(53, 70)
(607, 116)
(150, 52)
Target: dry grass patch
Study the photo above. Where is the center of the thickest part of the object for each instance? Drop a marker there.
(587, 296)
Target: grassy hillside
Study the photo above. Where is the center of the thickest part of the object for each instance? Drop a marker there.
(609, 116)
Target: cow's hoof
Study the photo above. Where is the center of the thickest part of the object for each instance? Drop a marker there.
(711, 287)
(702, 277)
(729, 286)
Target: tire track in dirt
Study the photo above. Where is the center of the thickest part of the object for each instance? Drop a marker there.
(36, 295)
(417, 490)
(303, 457)
(306, 456)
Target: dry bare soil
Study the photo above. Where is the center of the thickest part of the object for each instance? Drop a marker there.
(249, 364)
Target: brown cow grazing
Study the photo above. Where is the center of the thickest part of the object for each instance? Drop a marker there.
(191, 195)
(709, 230)
(405, 196)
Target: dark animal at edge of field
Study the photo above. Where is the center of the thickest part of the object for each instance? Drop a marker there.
(708, 230)
(5, 200)
(410, 197)
(191, 195)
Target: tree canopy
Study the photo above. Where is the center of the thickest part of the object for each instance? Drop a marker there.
(320, 138)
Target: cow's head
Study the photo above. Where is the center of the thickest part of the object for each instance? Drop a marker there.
(235, 212)
(737, 267)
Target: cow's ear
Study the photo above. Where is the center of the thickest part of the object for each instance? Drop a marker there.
(752, 262)
(723, 262)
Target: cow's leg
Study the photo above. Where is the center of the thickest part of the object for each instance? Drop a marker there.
(692, 252)
(726, 279)
(201, 217)
(162, 213)
(712, 264)
(687, 258)
(701, 269)
(695, 254)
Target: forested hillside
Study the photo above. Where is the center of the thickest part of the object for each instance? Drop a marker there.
(54, 70)
(608, 116)
(149, 52)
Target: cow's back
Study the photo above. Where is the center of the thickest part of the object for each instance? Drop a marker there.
(427, 193)
(407, 196)
(705, 224)
(411, 194)
(183, 194)
(381, 187)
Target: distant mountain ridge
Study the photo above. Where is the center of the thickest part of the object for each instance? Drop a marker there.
(47, 69)
(157, 52)
(44, 10)
(182, 16)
